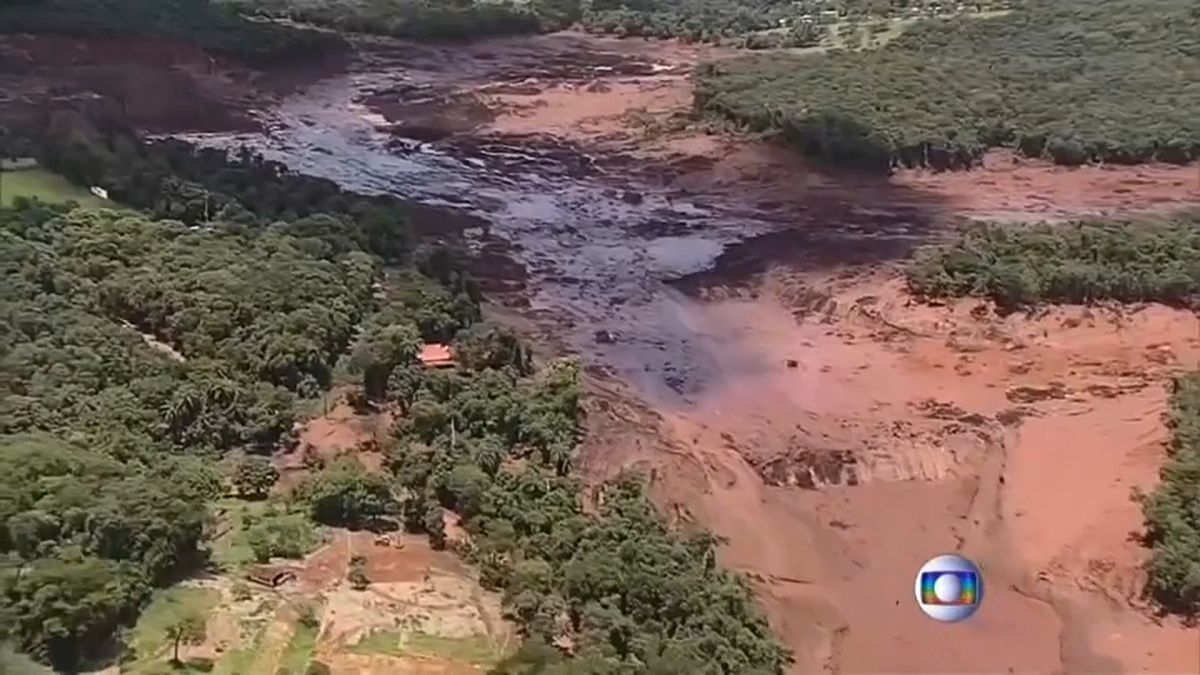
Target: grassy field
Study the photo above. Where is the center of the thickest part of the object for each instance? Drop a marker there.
(478, 650)
(232, 549)
(300, 649)
(237, 661)
(46, 186)
(149, 641)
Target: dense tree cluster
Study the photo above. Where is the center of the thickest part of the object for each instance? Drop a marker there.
(82, 539)
(494, 444)
(1173, 509)
(1074, 81)
(175, 179)
(197, 22)
(281, 531)
(348, 495)
(1079, 262)
(422, 19)
(252, 318)
(133, 351)
(757, 24)
(708, 21)
(144, 348)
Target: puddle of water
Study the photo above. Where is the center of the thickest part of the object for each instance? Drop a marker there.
(683, 255)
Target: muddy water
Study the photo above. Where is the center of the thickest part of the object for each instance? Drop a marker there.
(598, 238)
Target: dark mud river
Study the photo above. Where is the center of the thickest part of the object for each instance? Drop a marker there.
(599, 237)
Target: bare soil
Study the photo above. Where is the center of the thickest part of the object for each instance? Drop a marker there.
(413, 588)
(339, 431)
(151, 85)
(906, 431)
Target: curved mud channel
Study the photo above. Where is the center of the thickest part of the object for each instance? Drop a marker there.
(688, 270)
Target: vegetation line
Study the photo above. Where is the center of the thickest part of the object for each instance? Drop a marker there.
(1078, 262)
(1173, 509)
(1089, 261)
(1074, 81)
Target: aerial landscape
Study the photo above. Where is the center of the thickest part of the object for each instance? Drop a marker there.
(598, 336)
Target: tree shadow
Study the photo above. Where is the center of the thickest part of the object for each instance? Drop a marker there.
(378, 525)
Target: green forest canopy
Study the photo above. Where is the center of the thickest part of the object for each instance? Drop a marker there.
(759, 24)
(259, 280)
(421, 19)
(107, 439)
(1130, 260)
(1072, 80)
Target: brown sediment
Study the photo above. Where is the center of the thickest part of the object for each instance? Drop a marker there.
(147, 84)
(884, 447)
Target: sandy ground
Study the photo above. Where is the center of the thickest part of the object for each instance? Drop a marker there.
(906, 431)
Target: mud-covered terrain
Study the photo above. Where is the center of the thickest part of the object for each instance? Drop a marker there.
(752, 347)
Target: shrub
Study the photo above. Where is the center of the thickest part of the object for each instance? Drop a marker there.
(356, 574)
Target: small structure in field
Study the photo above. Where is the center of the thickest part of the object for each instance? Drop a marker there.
(271, 577)
(436, 355)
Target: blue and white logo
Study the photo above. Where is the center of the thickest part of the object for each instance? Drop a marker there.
(949, 588)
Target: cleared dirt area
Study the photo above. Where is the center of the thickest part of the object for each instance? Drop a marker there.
(425, 602)
(338, 430)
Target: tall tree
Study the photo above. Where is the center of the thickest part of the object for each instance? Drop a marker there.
(190, 628)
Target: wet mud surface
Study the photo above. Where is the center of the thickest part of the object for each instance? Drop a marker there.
(750, 345)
